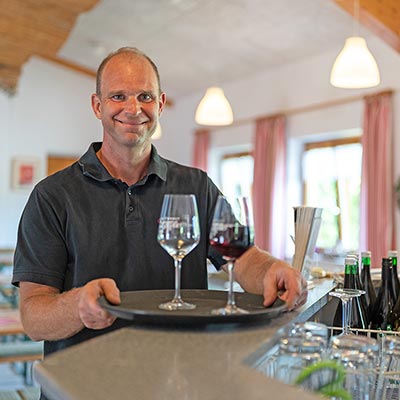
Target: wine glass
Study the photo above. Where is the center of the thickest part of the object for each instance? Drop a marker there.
(346, 297)
(231, 234)
(178, 234)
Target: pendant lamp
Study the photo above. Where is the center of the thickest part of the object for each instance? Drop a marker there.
(355, 67)
(214, 108)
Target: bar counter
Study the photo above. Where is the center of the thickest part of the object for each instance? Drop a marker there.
(150, 363)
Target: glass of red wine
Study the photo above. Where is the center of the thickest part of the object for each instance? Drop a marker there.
(231, 234)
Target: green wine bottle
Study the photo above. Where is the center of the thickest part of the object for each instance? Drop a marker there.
(366, 282)
(382, 318)
(359, 319)
(392, 254)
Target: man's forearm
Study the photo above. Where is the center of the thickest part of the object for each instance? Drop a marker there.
(51, 316)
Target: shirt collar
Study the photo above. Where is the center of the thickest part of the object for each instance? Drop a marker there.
(92, 167)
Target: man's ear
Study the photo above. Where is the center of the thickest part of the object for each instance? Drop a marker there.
(96, 105)
(161, 103)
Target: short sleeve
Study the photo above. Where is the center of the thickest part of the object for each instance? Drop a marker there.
(40, 254)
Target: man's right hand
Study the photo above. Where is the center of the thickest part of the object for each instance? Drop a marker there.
(92, 315)
(47, 314)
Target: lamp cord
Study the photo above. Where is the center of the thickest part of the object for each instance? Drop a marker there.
(356, 17)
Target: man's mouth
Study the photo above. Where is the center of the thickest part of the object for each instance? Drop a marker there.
(132, 123)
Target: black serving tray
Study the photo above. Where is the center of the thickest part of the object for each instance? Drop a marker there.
(142, 306)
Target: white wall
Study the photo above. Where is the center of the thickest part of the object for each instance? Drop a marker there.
(51, 114)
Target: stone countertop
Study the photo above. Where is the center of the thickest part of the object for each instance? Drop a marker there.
(197, 363)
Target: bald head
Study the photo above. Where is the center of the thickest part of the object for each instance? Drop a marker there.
(128, 52)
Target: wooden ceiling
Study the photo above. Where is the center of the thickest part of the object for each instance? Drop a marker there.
(32, 27)
(380, 16)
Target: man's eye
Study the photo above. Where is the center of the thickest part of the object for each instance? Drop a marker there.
(146, 97)
(118, 97)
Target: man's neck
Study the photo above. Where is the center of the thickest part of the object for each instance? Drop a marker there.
(129, 165)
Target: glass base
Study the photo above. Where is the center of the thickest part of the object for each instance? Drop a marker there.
(229, 310)
(176, 304)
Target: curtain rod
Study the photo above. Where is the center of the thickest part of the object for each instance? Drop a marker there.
(304, 109)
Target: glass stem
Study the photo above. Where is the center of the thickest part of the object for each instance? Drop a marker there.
(178, 265)
(231, 295)
(346, 315)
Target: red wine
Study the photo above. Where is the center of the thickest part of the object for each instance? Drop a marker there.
(232, 242)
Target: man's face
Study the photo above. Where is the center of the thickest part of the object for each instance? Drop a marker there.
(129, 104)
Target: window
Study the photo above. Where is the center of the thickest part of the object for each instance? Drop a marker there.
(237, 174)
(331, 180)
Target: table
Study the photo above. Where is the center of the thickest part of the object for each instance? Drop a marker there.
(172, 363)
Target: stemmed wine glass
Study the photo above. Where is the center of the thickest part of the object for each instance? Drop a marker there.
(231, 234)
(346, 297)
(178, 234)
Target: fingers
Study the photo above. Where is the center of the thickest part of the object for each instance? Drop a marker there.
(270, 290)
(296, 291)
(91, 313)
(283, 278)
(110, 291)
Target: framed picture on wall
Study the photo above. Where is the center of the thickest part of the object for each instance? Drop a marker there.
(24, 172)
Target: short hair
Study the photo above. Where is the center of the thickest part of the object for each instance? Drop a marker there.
(124, 50)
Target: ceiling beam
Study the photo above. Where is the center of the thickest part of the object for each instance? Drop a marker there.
(382, 17)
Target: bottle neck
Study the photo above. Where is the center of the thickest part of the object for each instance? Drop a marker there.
(386, 275)
(350, 274)
(366, 269)
(366, 261)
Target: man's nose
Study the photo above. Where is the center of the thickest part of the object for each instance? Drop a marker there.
(133, 106)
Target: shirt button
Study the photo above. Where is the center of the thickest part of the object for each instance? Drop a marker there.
(130, 208)
(129, 192)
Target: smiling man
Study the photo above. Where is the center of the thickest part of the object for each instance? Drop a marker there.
(91, 229)
(128, 101)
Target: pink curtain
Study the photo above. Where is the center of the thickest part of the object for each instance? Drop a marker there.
(269, 185)
(200, 149)
(377, 230)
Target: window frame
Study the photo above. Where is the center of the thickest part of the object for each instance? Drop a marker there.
(320, 145)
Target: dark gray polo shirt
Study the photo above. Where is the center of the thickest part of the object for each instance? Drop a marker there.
(81, 224)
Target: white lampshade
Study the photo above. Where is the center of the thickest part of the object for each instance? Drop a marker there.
(214, 108)
(158, 132)
(355, 67)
